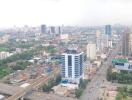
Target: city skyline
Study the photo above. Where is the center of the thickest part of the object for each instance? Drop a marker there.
(67, 12)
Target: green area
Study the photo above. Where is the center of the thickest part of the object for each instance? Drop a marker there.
(124, 93)
(21, 65)
(19, 56)
(48, 87)
(82, 86)
(123, 77)
(3, 49)
(12, 45)
(5, 70)
(50, 49)
(119, 60)
(19, 59)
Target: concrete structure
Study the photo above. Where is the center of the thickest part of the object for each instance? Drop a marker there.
(52, 30)
(8, 89)
(98, 33)
(104, 41)
(98, 40)
(125, 66)
(4, 38)
(91, 51)
(110, 43)
(43, 29)
(60, 90)
(4, 55)
(64, 37)
(2, 97)
(72, 65)
(108, 30)
(58, 30)
(130, 44)
(125, 44)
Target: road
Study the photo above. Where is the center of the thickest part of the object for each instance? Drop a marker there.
(92, 90)
(36, 84)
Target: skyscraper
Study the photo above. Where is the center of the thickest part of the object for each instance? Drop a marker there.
(125, 44)
(52, 29)
(98, 40)
(108, 30)
(72, 65)
(130, 44)
(43, 29)
(91, 51)
(59, 30)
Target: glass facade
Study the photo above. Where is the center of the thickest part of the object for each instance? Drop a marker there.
(69, 66)
(63, 66)
(69, 60)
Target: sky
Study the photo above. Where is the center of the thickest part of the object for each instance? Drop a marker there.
(65, 12)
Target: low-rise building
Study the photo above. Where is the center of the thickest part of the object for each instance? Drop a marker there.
(124, 66)
(4, 55)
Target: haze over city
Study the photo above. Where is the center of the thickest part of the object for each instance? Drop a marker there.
(65, 49)
(67, 12)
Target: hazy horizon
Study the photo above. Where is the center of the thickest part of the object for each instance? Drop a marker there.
(67, 12)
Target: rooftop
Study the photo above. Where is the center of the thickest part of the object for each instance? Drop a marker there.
(120, 60)
(72, 51)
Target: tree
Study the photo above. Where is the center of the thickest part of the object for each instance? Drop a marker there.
(113, 75)
(46, 88)
(58, 79)
(78, 92)
(122, 95)
(82, 84)
(130, 91)
(119, 96)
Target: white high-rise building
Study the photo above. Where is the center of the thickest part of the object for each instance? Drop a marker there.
(91, 51)
(72, 66)
(98, 41)
(105, 40)
(130, 44)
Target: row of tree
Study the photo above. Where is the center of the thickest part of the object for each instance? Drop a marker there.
(120, 77)
(5, 70)
(19, 60)
(48, 87)
(19, 56)
(82, 86)
(124, 93)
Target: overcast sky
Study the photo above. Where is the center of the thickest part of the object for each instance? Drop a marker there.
(67, 12)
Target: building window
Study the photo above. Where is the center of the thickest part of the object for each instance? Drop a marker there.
(69, 60)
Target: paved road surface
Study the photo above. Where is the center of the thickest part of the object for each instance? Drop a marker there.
(93, 88)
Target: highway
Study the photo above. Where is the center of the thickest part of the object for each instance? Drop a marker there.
(36, 84)
(92, 90)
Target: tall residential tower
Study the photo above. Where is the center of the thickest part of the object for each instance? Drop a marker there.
(72, 65)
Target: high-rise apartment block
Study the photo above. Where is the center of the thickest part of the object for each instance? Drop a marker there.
(72, 65)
